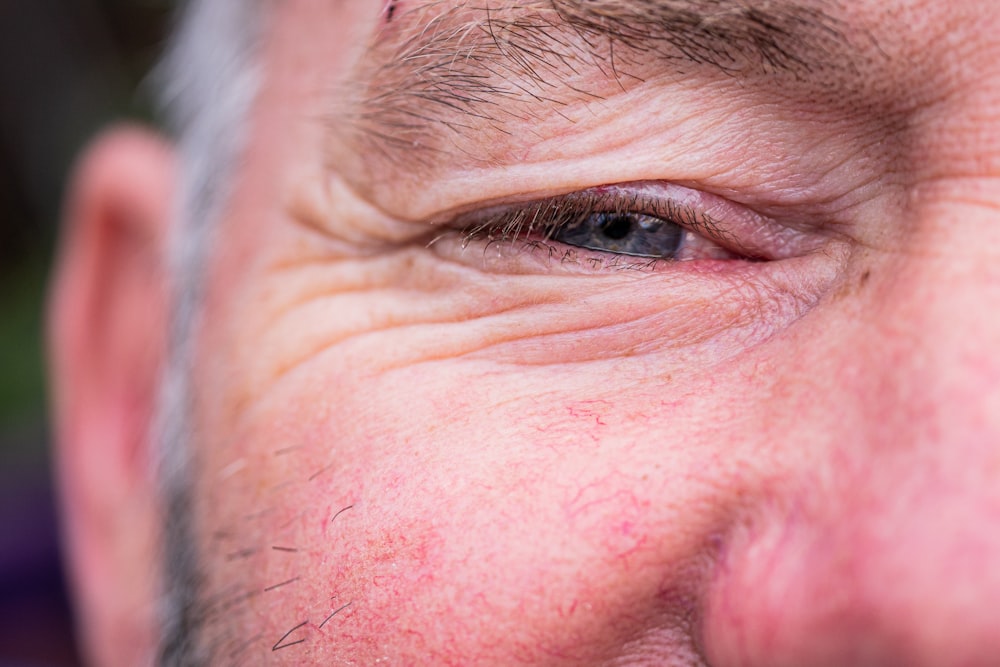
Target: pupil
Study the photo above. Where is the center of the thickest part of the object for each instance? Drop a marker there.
(616, 226)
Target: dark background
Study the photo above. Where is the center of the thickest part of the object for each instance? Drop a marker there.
(67, 69)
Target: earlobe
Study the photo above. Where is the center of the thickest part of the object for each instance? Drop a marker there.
(107, 334)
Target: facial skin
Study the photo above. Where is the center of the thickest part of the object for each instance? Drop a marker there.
(412, 448)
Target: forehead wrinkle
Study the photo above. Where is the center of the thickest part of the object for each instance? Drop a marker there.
(444, 71)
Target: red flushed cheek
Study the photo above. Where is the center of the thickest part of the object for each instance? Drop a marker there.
(617, 518)
(452, 560)
(470, 513)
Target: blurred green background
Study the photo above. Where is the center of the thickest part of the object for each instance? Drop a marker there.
(67, 69)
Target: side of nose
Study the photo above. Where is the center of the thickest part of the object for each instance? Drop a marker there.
(887, 552)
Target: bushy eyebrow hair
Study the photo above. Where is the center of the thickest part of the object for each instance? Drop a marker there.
(462, 65)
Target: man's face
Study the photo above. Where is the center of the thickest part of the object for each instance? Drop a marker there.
(607, 332)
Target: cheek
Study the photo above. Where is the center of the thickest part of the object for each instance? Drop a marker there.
(461, 509)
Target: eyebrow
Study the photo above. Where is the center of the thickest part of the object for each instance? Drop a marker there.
(444, 66)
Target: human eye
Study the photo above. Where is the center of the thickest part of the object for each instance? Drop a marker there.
(640, 225)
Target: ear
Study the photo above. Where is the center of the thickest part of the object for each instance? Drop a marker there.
(107, 333)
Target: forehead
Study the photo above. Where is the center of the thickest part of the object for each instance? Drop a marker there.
(385, 62)
(873, 27)
(407, 89)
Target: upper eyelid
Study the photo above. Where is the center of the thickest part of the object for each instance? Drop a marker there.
(549, 214)
(731, 225)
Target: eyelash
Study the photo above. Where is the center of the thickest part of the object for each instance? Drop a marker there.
(534, 224)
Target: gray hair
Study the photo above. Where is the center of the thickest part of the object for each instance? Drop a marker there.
(207, 83)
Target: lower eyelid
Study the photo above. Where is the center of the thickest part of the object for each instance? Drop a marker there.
(702, 313)
(537, 254)
(585, 315)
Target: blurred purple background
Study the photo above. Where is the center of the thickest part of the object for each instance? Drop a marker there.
(67, 69)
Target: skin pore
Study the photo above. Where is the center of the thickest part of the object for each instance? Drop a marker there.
(427, 431)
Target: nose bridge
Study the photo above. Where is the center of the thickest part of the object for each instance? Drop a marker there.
(932, 329)
(910, 525)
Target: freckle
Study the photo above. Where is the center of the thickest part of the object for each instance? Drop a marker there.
(850, 289)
